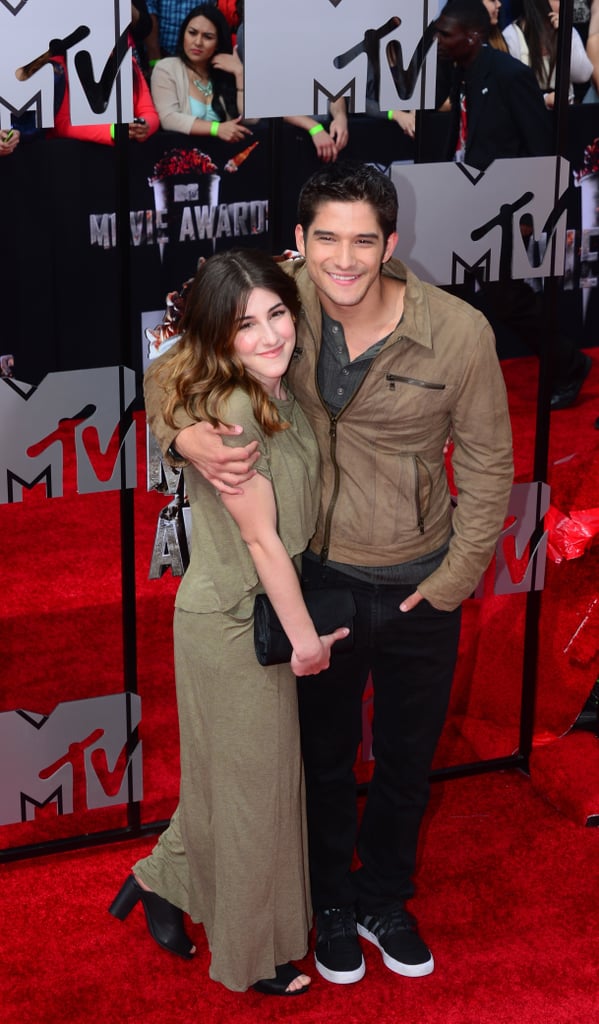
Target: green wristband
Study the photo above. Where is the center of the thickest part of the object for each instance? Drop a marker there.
(153, 63)
(316, 129)
(390, 114)
(214, 127)
(112, 132)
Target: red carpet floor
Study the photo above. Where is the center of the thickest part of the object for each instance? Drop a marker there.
(506, 898)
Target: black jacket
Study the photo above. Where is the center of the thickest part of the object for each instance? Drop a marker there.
(507, 116)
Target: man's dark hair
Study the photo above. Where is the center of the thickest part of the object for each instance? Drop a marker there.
(472, 14)
(348, 181)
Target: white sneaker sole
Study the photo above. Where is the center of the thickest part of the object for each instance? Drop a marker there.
(341, 977)
(407, 970)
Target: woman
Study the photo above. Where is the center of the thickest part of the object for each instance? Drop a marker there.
(233, 856)
(495, 35)
(200, 90)
(532, 38)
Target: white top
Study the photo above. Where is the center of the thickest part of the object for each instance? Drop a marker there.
(581, 67)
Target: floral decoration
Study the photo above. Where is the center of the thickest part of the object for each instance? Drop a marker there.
(182, 161)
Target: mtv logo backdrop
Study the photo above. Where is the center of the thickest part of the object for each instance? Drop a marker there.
(300, 55)
(93, 39)
(454, 220)
(84, 747)
(80, 408)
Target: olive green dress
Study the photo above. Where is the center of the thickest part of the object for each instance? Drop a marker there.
(234, 856)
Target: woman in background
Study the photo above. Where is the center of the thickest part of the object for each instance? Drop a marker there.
(532, 38)
(495, 35)
(200, 90)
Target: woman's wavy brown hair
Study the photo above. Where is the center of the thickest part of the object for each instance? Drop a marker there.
(202, 369)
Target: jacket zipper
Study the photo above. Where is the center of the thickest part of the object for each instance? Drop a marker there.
(393, 377)
(333, 421)
(419, 516)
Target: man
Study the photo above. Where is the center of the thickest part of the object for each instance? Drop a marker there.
(497, 106)
(498, 111)
(386, 367)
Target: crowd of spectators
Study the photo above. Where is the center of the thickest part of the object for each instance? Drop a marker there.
(188, 74)
(178, 87)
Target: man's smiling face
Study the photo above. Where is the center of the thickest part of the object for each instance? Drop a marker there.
(344, 248)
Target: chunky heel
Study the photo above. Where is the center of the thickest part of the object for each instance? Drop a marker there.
(164, 921)
(125, 900)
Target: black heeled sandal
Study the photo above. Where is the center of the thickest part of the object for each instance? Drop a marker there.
(277, 986)
(164, 921)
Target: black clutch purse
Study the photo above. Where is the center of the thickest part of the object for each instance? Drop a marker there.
(329, 609)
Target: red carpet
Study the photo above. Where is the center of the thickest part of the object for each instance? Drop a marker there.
(507, 874)
(506, 897)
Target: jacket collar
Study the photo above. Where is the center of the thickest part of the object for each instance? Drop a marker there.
(415, 323)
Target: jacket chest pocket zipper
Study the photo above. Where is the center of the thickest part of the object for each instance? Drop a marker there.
(393, 379)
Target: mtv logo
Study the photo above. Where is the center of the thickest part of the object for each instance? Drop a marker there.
(186, 193)
(454, 220)
(529, 502)
(91, 742)
(80, 408)
(339, 48)
(518, 568)
(93, 38)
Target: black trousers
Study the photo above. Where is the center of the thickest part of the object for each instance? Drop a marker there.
(411, 657)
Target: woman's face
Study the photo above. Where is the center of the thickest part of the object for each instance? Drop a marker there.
(200, 40)
(265, 338)
(493, 7)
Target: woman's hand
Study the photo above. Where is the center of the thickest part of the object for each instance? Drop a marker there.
(229, 62)
(233, 131)
(311, 662)
(326, 147)
(406, 119)
(139, 130)
(224, 467)
(338, 129)
(8, 145)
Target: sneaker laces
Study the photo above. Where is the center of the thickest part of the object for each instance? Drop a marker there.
(396, 918)
(337, 923)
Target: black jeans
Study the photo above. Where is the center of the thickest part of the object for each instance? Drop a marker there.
(411, 657)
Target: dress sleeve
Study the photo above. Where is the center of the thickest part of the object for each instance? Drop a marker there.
(239, 410)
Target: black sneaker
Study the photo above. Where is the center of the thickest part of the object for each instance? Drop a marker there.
(338, 953)
(395, 933)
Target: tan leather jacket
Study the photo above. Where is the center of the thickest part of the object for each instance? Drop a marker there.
(385, 495)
